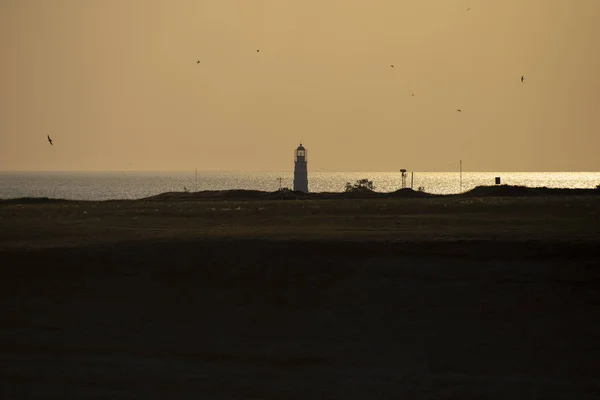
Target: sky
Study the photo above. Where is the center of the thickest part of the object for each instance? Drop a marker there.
(117, 85)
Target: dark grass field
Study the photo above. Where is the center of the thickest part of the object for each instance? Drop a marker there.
(246, 214)
(230, 297)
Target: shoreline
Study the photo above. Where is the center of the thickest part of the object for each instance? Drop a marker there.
(244, 194)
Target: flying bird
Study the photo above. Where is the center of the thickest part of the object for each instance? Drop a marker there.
(459, 110)
(522, 78)
(468, 9)
(50, 141)
(257, 50)
(392, 65)
(198, 62)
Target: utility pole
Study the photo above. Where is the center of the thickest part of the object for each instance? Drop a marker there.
(280, 179)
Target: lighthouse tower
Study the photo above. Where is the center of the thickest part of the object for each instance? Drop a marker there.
(300, 170)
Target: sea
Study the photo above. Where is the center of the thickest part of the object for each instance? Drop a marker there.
(136, 185)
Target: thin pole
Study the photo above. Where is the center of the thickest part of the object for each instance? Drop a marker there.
(196, 179)
(460, 176)
(412, 179)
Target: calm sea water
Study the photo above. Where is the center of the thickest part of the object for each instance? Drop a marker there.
(135, 185)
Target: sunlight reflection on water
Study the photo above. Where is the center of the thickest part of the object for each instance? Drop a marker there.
(132, 185)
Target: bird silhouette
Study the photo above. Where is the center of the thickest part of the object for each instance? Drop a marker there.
(392, 65)
(257, 50)
(198, 62)
(522, 79)
(50, 141)
(459, 110)
(468, 9)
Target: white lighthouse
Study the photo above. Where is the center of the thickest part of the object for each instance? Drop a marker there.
(300, 170)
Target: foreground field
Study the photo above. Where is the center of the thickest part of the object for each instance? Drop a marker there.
(405, 298)
(42, 224)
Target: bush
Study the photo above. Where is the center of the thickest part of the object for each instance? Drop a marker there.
(361, 185)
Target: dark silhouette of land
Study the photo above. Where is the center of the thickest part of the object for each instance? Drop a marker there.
(240, 294)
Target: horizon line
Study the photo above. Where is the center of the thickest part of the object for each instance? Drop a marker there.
(273, 171)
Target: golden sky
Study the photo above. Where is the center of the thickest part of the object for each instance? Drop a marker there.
(116, 84)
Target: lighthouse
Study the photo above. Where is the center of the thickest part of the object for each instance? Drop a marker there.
(300, 170)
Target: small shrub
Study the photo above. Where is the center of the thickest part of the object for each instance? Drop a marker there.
(361, 185)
